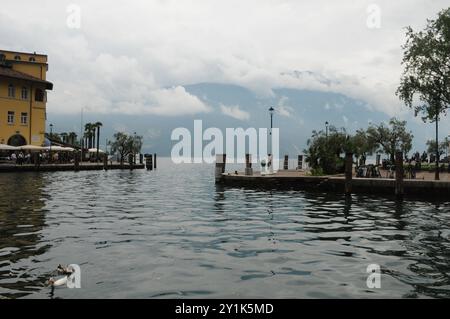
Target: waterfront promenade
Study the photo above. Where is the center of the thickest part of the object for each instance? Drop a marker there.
(7, 168)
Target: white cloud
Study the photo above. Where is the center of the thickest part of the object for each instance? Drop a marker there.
(235, 112)
(283, 109)
(126, 52)
(345, 119)
(164, 102)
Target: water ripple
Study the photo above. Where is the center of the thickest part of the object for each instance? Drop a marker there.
(172, 233)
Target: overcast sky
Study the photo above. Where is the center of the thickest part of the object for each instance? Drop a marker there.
(135, 56)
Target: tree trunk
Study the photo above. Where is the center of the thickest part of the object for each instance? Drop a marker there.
(93, 138)
(98, 140)
(436, 174)
(392, 158)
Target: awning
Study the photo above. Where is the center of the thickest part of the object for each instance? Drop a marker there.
(4, 147)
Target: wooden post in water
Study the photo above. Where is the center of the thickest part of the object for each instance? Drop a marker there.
(248, 165)
(220, 166)
(300, 162)
(141, 159)
(348, 173)
(76, 162)
(286, 162)
(149, 162)
(399, 174)
(105, 162)
(131, 158)
(154, 161)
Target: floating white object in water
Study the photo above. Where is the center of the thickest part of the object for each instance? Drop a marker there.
(67, 271)
(58, 282)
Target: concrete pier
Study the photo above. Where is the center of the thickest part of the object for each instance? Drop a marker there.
(296, 180)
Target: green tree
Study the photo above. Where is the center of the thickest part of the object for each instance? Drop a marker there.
(390, 138)
(443, 146)
(88, 128)
(324, 151)
(361, 145)
(72, 137)
(125, 145)
(425, 83)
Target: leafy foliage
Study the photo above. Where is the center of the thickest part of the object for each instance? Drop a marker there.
(325, 153)
(390, 138)
(425, 83)
(125, 144)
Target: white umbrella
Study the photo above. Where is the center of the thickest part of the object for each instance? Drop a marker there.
(57, 148)
(31, 148)
(94, 150)
(4, 147)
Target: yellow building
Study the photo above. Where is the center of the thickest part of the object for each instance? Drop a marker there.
(23, 97)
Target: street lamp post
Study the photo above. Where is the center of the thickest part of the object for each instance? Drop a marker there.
(50, 140)
(134, 148)
(269, 162)
(326, 129)
(81, 136)
(271, 111)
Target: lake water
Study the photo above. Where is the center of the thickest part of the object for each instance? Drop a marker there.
(172, 233)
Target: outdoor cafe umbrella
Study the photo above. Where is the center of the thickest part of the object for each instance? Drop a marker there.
(32, 148)
(4, 147)
(94, 150)
(57, 148)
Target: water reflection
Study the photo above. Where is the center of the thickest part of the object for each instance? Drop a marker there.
(174, 233)
(22, 219)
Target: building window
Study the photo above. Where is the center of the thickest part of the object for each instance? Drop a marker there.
(24, 93)
(10, 117)
(11, 91)
(24, 118)
(39, 95)
(32, 59)
(2, 57)
(17, 58)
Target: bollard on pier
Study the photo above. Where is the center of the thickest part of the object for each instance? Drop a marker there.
(348, 173)
(220, 167)
(149, 162)
(399, 174)
(248, 165)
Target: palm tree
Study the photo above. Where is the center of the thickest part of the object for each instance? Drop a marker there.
(98, 125)
(72, 137)
(64, 136)
(93, 134)
(88, 134)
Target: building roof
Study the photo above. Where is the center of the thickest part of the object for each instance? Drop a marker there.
(20, 52)
(10, 73)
